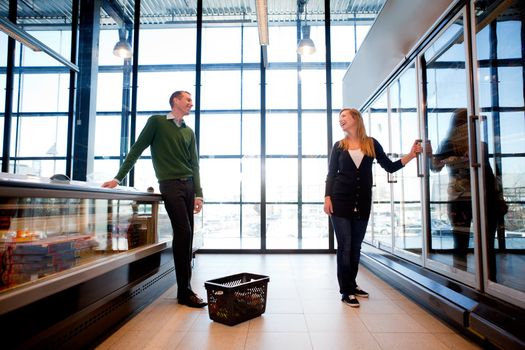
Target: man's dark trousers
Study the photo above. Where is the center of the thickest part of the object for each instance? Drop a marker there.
(179, 199)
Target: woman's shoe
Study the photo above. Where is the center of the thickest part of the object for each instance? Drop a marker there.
(350, 300)
(360, 293)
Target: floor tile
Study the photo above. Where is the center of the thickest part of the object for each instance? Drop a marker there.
(278, 323)
(409, 341)
(303, 311)
(343, 341)
(391, 323)
(278, 340)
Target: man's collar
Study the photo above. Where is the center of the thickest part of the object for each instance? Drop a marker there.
(172, 117)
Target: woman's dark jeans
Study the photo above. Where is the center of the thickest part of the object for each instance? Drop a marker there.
(350, 234)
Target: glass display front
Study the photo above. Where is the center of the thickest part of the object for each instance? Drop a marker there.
(406, 189)
(381, 192)
(42, 236)
(449, 174)
(500, 73)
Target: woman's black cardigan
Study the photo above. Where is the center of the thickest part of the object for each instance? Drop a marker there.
(349, 187)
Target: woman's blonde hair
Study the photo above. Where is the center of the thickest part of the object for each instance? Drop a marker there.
(365, 143)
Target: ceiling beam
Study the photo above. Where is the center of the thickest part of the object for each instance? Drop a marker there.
(115, 11)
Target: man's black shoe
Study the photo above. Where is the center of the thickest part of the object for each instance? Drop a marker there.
(360, 293)
(193, 301)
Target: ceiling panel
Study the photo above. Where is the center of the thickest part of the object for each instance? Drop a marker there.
(158, 12)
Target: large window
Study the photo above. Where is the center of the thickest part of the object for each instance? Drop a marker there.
(263, 130)
(39, 115)
(232, 148)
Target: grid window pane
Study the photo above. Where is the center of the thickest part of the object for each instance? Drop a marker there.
(213, 42)
(313, 84)
(283, 44)
(314, 226)
(110, 86)
(221, 226)
(251, 134)
(220, 179)
(107, 135)
(33, 98)
(251, 226)
(281, 89)
(155, 88)
(104, 170)
(251, 49)
(40, 136)
(251, 89)
(220, 134)
(151, 52)
(314, 176)
(38, 167)
(145, 175)
(251, 179)
(313, 134)
(281, 180)
(220, 90)
(281, 223)
(281, 133)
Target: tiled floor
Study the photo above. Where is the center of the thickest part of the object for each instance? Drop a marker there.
(303, 311)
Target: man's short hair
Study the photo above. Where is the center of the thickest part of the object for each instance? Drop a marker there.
(177, 94)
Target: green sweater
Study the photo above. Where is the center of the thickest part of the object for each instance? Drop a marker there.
(173, 151)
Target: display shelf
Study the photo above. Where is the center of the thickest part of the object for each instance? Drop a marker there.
(53, 233)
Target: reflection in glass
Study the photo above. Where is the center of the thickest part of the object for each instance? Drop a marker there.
(450, 217)
(499, 42)
(453, 152)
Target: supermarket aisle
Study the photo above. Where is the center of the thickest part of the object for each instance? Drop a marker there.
(303, 311)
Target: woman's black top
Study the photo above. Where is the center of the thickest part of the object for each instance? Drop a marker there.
(349, 187)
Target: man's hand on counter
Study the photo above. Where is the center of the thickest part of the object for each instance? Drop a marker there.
(110, 184)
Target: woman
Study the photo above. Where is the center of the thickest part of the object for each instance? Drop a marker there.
(348, 195)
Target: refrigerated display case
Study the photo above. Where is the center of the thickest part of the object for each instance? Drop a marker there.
(75, 242)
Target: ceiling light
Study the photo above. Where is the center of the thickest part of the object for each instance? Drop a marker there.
(306, 45)
(262, 21)
(122, 48)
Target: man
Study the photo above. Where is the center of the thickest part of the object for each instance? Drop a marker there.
(176, 163)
